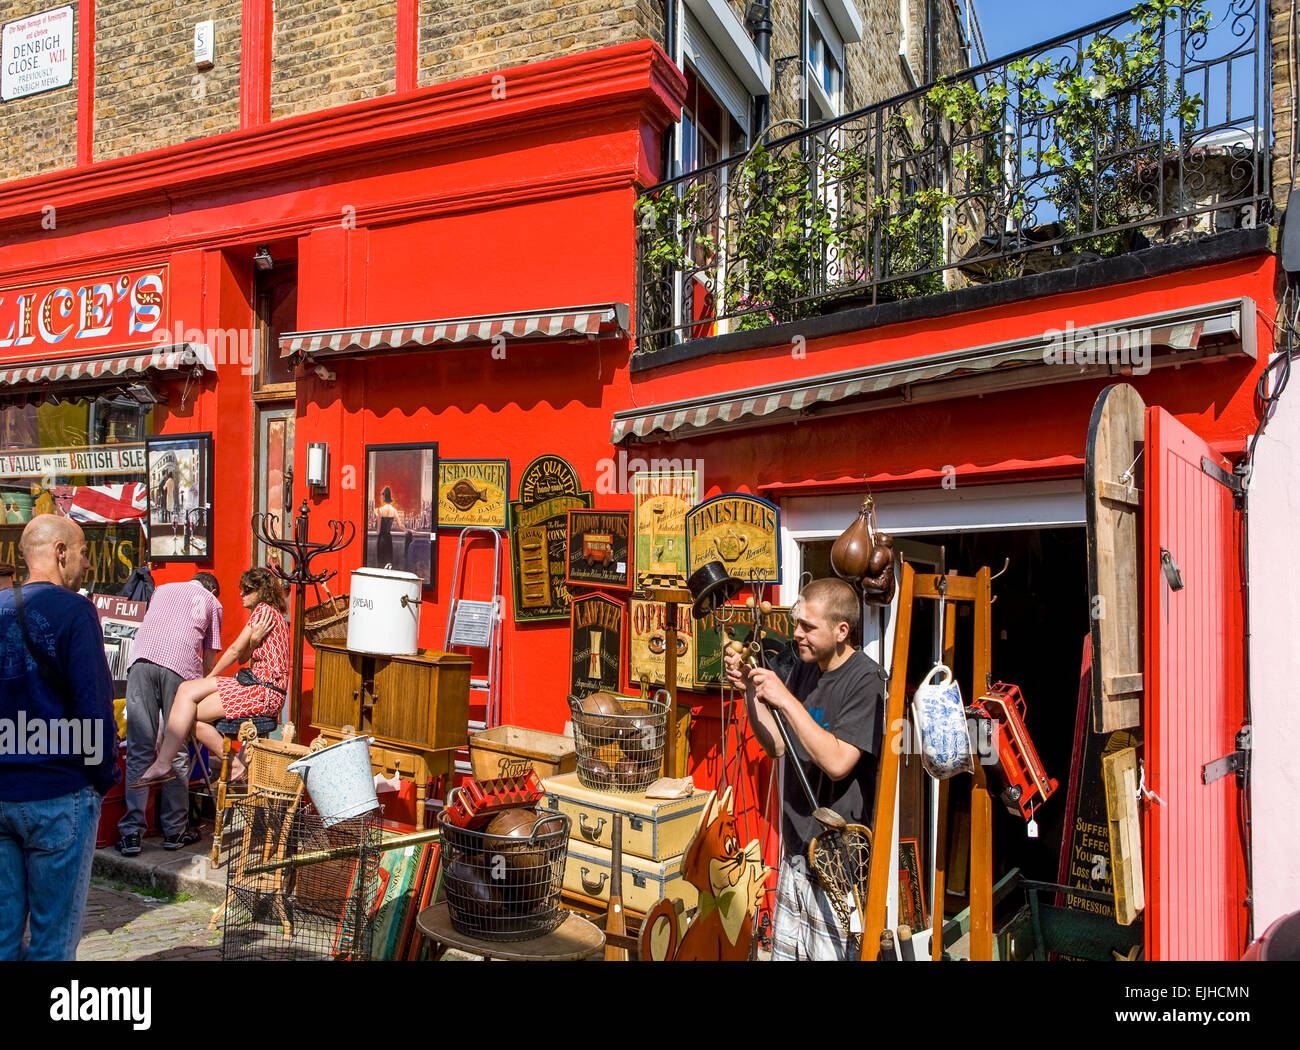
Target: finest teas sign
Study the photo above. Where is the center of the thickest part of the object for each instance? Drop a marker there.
(107, 459)
(37, 54)
(743, 532)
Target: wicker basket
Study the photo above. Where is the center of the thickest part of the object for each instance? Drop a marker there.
(620, 752)
(328, 620)
(501, 888)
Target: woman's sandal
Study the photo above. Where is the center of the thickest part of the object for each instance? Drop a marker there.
(145, 782)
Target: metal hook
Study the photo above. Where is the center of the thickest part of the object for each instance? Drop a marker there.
(1006, 564)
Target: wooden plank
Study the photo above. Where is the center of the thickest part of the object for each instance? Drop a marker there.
(1116, 439)
(1121, 684)
(883, 824)
(1120, 776)
(1127, 494)
(981, 805)
(960, 588)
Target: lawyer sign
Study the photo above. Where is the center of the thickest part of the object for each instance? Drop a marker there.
(37, 54)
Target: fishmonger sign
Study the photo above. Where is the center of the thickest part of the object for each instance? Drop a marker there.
(71, 317)
(37, 54)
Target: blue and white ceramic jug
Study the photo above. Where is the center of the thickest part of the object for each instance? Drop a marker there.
(941, 722)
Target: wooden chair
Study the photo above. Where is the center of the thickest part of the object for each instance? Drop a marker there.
(277, 792)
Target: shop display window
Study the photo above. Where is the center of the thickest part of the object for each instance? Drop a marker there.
(81, 458)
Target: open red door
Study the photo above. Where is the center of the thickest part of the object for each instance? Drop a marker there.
(1195, 883)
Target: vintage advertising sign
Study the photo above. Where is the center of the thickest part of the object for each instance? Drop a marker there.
(648, 645)
(37, 54)
(114, 554)
(660, 502)
(539, 531)
(473, 492)
(599, 555)
(778, 642)
(597, 633)
(743, 532)
(63, 462)
(122, 308)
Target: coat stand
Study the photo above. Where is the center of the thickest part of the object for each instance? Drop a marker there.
(303, 552)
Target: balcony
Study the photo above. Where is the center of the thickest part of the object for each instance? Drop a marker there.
(1148, 128)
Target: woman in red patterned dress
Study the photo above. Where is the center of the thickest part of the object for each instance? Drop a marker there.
(201, 702)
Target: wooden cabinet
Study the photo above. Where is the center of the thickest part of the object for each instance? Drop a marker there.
(415, 707)
(419, 701)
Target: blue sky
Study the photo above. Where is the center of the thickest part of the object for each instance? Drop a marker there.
(1010, 25)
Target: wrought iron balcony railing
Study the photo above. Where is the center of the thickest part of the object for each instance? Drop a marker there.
(1149, 127)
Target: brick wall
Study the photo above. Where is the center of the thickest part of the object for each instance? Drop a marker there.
(1282, 32)
(148, 92)
(40, 131)
(460, 38)
(328, 52)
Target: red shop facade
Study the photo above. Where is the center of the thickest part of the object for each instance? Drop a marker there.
(453, 265)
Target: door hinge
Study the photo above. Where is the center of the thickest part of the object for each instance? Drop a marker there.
(1232, 482)
(1233, 763)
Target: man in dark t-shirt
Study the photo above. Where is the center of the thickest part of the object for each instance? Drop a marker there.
(832, 703)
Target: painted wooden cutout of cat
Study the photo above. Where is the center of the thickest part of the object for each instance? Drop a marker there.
(731, 883)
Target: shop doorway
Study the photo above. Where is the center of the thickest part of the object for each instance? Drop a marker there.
(1039, 620)
(274, 390)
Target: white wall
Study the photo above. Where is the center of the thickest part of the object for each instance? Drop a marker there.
(1273, 510)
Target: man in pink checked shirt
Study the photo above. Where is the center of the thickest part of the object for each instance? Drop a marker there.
(179, 640)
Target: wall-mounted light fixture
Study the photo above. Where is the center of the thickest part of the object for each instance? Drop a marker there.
(318, 465)
(262, 258)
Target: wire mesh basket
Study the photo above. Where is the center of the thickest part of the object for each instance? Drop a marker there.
(505, 887)
(620, 747)
(322, 910)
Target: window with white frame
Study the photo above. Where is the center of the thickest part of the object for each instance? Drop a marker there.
(825, 67)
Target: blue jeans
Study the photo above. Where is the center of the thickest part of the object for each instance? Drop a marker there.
(46, 848)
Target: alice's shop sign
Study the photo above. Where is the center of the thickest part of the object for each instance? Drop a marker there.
(101, 312)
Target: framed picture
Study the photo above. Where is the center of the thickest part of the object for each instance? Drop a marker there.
(539, 531)
(401, 509)
(661, 501)
(179, 468)
(597, 636)
(598, 553)
(779, 650)
(911, 886)
(474, 492)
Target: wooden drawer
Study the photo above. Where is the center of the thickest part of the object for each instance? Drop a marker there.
(588, 868)
(653, 828)
(336, 694)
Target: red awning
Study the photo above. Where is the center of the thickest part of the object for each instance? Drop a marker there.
(185, 358)
(574, 322)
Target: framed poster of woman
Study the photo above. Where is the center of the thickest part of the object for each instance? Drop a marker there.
(402, 509)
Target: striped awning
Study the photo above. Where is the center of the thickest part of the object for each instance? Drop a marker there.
(1118, 348)
(193, 358)
(575, 322)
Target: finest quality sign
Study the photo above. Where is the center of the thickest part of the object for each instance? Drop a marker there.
(37, 54)
(102, 312)
(61, 462)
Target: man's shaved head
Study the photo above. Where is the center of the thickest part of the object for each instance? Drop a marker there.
(55, 551)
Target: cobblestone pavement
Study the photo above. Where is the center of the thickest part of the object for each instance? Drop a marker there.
(124, 924)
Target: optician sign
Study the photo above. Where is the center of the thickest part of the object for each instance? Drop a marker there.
(68, 317)
(37, 54)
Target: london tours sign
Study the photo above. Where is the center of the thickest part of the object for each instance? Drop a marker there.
(37, 54)
(74, 317)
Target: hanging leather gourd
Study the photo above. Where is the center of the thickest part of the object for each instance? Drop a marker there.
(852, 552)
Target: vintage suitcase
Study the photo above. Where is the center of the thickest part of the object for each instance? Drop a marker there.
(653, 828)
(645, 882)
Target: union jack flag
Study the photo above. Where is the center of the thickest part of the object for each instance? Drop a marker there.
(102, 503)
